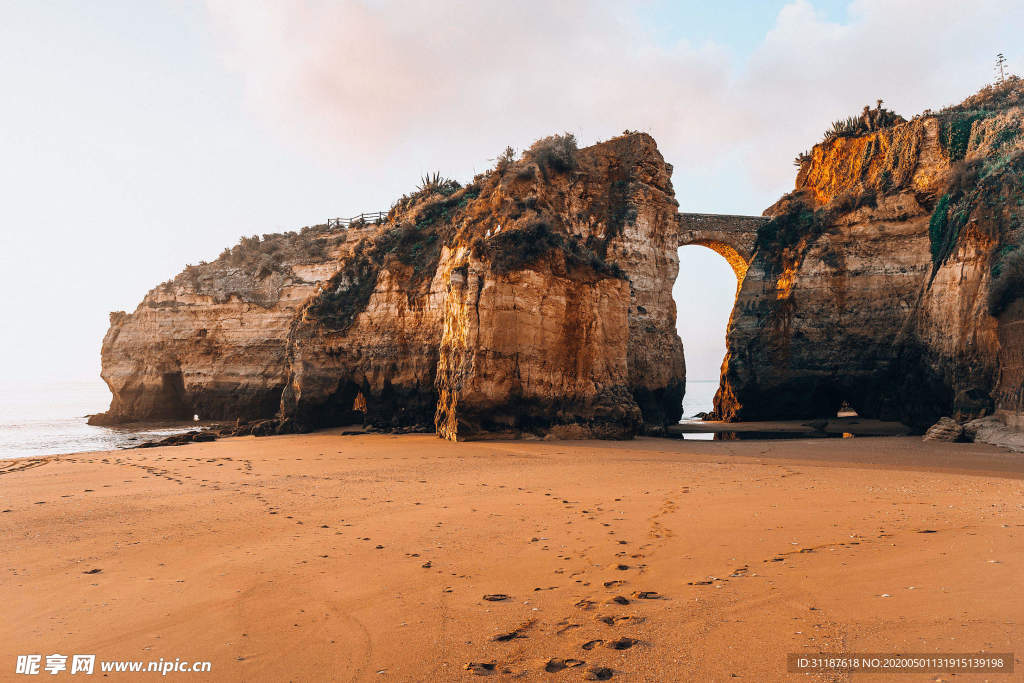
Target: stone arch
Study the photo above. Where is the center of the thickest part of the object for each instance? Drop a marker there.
(731, 236)
(736, 260)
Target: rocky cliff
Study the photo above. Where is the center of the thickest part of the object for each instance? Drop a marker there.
(536, 300)
(891, 277)
(213, 340)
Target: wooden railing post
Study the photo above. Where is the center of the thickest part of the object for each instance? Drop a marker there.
(377, 217)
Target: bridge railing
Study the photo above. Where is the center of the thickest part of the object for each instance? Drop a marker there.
(377, 217)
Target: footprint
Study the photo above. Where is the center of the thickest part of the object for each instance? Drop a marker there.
(480, 668)
(622, 643)
(612, 620)
(647, 595)
(591, 644)
(517, 632)
(496, 597)
(599, 673)
(554, 665)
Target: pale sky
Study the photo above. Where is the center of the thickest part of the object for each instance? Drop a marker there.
(137, 137)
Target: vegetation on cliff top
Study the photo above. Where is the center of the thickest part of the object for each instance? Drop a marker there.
(983, 138)
(555, 152)
(410, 249)
(868, 121)
(506, 216)
(514, 249)
(262, 256)
(257, 267)
(429, 185)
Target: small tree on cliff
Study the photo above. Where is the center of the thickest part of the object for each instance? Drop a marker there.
(1000, 68)
(505, 159)
(557, 152)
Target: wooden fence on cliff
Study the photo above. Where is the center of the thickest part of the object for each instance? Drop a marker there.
(375, 218)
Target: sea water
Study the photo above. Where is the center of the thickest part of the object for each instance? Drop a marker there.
(699, 398)
(48, 419)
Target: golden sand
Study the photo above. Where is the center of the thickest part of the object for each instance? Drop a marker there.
(325, 557)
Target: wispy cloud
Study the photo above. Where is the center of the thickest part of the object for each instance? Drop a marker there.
(446, 83)
(448, 79)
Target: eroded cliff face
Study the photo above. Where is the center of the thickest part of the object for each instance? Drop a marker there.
(535, 300)
(584, 341)
(873, 282)
(212, 341)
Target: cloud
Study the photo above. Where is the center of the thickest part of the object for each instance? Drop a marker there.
(446, 84)
(447, 80)
(915, 55)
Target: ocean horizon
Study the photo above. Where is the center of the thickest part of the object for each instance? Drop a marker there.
(50, 419)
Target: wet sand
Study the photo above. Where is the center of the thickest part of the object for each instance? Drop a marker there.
(326, 557)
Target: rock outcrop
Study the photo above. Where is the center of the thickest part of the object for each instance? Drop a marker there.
(886, 279)
(536, 300)
(994, 431)
(213, 340)
(946, 429)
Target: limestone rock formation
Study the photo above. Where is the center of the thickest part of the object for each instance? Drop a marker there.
(994, 431)
(887, 278)
(212, 341)
(535, 300)
(946, 429)
(538, 299)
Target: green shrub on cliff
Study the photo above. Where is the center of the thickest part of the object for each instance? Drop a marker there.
(995, 96)
(347, 293)
(557, 152)
(777, 238)
(263, 255)
(981, 190)
(1007, 280)
(430, 184)
(937, 230)
(955, 134)
(517, 248)
(868, 121)
(505, 159)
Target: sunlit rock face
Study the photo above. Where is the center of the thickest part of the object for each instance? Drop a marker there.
(536, 300)
(882, 279)
(213, 340)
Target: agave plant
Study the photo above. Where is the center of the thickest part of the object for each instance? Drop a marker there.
(429, 183)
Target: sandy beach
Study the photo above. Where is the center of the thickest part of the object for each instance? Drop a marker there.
(326, 557)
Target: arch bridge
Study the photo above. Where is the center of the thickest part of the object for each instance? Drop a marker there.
(731, 236)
